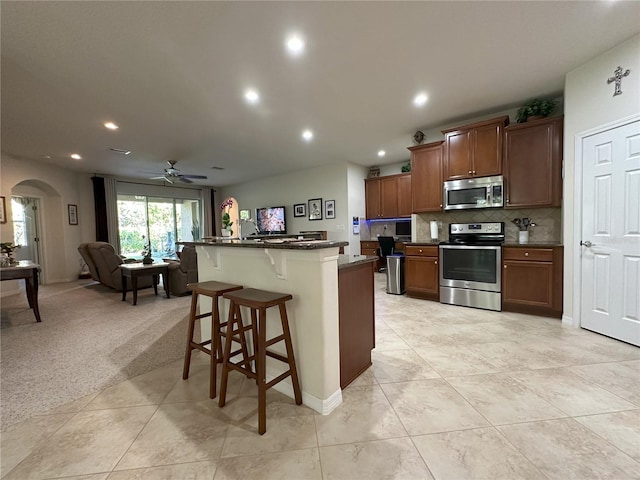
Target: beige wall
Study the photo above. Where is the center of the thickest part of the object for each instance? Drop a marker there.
(327, 182)
(56, 187)
(589, 103)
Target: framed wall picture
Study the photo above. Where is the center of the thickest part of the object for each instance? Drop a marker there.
(299, 210)
(3, 211)
(73, 214)
(330, 209)
(315, 209)
(245, 214)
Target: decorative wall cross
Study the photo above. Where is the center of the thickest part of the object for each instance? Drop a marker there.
(617, 77)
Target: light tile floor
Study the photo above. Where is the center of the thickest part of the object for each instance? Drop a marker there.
(453, 393)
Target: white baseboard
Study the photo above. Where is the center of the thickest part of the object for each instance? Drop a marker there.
(322, 406)
(569, 321)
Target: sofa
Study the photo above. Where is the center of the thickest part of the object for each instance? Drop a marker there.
(104, 265)
(184, 271)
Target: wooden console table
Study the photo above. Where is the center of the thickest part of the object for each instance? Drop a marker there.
(27, 270)
(135, 270)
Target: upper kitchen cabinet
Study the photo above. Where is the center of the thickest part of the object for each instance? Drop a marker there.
(533, 163)
(426, 177)
(474, 150)
(388, 197)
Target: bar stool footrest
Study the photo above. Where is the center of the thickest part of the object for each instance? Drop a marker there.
(277, 356)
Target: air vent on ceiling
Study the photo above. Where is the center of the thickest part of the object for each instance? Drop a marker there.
(217, 168)
(119, 150)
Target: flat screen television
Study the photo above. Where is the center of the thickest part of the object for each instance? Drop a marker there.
(271, 220)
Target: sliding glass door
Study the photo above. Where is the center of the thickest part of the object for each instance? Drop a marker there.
(157, 221)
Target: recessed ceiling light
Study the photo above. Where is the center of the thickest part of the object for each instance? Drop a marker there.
(307, 135)
(382, 153)
(420, 99)
(295, 44)
(75, 156)
(111, 126)
(251, 96)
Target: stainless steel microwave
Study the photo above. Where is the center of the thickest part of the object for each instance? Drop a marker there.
(484, 192)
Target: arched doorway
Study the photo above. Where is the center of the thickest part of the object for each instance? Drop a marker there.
(37, 205)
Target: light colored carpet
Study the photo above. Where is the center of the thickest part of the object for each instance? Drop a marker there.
(89, 339)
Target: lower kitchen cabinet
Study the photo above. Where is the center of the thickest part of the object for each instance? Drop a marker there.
(370, 247)
(532, 280)
(421, 277)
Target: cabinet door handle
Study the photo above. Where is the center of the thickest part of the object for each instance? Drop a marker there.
(505, 266)
(526, 254)
(420, 251)
(436, 262)
(470, 172)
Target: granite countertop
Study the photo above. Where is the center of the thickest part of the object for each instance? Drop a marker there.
(533, 244)
(346, 261)
(276, 243)
(418, 244)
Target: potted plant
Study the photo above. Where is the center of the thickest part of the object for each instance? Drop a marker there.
(538, 107)
(146, 253)
(226, 218)
(7, 249)
(226, 225)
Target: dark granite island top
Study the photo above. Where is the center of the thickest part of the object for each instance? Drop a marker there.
(346, 261)
(277, 243)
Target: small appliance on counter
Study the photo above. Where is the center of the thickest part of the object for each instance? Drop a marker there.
(470, 265)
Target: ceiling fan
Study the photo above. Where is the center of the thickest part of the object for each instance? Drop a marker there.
(172, 174)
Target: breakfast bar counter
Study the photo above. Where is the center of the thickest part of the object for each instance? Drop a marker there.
(306, 269)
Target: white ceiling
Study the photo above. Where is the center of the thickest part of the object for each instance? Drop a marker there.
(173, 75)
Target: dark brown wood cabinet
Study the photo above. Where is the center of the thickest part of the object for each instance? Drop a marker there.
(370, 247)
(533, 164)
(404, 195)
(388, 197)
(373, 197)
(532, 280)
(356, 308)
(474, 150)
(426, 177)
(421, 277)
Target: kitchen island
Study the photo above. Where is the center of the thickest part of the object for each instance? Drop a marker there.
(308, 270)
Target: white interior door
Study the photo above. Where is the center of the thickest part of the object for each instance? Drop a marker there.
(611, 233)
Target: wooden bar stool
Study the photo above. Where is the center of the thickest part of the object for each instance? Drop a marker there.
(214, 290)
(258, 301)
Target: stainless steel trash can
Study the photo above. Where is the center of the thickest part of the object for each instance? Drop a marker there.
(395, 274)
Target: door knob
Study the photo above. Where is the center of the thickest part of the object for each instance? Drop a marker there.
(587, 243)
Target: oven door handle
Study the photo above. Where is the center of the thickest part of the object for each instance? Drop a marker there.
(470, 247)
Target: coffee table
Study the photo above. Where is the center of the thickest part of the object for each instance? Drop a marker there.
(135, 270)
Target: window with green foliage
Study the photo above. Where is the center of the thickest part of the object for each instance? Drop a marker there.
(156, 221)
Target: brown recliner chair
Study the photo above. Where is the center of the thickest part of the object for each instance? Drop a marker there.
(83, 248)
(184, 271)
(107, 264)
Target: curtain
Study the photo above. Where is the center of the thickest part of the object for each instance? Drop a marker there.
(100, 205)
(111, 201)
(206, 198)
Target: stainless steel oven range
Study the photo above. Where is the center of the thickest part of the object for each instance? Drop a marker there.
(470, 265)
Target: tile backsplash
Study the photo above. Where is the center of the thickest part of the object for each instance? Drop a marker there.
(548, 222)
